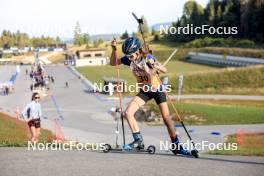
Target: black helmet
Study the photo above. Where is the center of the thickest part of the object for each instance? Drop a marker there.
(131, 45)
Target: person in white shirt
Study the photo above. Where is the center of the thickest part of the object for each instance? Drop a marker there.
(32, 114)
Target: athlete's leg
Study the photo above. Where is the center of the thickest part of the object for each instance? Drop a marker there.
(130, 115)
(167, 120)
(161, 101)
(133, 106)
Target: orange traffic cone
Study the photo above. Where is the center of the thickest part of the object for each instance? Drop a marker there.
(59, 137)
(240, 137)
(17, 112)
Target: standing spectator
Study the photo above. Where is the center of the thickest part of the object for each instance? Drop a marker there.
(4, 90)
(52, 79)
(32, 114)
(7, 90)
(31, 74)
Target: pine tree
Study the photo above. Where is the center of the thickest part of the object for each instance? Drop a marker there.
(125, 35)
(144, 27)
(77, 34)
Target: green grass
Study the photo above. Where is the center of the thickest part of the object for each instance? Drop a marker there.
(249, 80)
(16, 133)
(215, 114)
(222, 42)
(198, 79)
(95, 74)
(244, 52)
(240, 103)
(253, 145)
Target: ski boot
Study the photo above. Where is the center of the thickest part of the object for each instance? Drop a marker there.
(178, 148)
(136, 144)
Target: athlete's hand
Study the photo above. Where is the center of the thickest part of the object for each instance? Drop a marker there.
(151, 62)
(27, 120)
(113, 44)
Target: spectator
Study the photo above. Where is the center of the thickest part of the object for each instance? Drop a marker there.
(32, 114)
(6, 90)
(52, 79)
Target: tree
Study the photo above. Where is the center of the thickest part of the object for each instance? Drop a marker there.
(77, 34)
(252, 24)
(125, 35)
(144, 27)
(7, 39)
(97, 43)
(153, 31)
(58, 40)
(85, 38)
(211, 12)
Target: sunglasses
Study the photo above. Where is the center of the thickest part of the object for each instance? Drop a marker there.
(132, 55)
(37, 97)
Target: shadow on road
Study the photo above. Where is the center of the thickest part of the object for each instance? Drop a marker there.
(209, 157)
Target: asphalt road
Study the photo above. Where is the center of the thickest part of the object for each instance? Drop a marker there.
(85, 118)
(19, 161)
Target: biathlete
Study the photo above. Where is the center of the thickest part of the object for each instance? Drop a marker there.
(145, 67)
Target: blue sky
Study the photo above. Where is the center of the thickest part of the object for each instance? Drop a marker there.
(58, 17)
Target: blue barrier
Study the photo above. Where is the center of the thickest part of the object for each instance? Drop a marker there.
(57, 107)
(216, 133)
(13, 78)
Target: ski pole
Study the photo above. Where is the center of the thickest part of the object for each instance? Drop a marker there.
(120, 99)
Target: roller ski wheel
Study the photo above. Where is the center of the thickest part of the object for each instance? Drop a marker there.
(151, 149)
(107, 148)
(195, 153)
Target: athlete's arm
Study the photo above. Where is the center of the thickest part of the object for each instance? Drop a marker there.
(113, 59)
(158, 66)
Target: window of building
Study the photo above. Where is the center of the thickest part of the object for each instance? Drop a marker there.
(87, 55)
(98, 54)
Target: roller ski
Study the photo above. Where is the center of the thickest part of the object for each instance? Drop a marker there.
(126, 148)
(179, 150)
(136, 146)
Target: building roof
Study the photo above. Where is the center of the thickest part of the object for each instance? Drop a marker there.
(96, 49)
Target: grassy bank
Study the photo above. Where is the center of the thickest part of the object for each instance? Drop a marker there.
(243, 52)
(197, 78)
(253, 145)
(58, 58)
(248, 80)
(215, 112)
(16, 133)
(96, 73)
